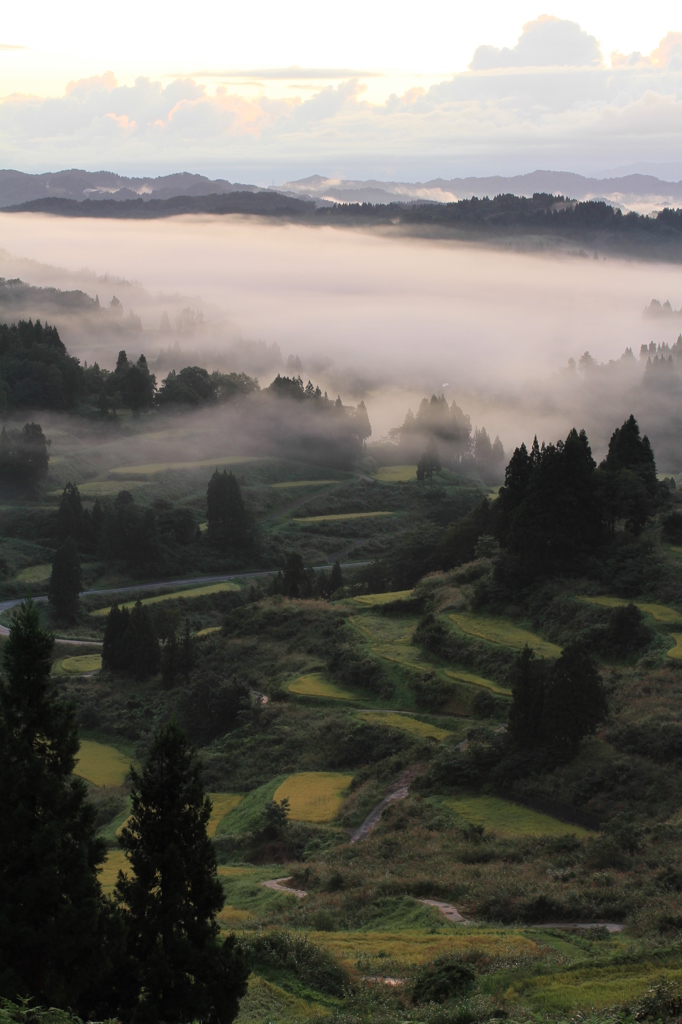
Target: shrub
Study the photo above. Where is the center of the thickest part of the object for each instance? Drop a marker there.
(443, 979)
(296, 955)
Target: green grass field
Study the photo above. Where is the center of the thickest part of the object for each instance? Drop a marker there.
(660, 612)
(372, 600)
(151, 468)
(676, 652)
(81, 663)
(396, 474)
(507, 818)
(101, 764)
(35, 573)
(286, 484)
(174, 595)
(223, 804)
(406, 724)
(247, 815)
(315, 685)
(503, 632)
(339, 516)
(314, 796)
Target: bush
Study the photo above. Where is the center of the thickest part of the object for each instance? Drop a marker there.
(445, 978)
(672, 528)
(297, 956)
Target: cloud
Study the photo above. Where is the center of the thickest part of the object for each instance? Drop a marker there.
(545, 42)
(9, 46)
(506, 119)
(292, 74)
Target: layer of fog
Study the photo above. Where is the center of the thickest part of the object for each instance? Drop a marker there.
(391, 318)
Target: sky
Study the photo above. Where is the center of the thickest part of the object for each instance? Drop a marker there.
(271, 92)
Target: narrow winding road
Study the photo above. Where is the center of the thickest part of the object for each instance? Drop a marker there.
(158, 585)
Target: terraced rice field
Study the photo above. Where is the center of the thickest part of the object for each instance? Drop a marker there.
(418, 946)
(396, 474)
(392, 640)
(213, 588)
(340, 516)
(286, 484)
(223, 803)
(505, 633)
(82, 663)
(101, 764)
(102, 488)
(676, 652)
(152, 468)
(108, 874)
(471, 679)
(315, 685)
(660, 612)
(507, 818)
(595, 988)
(314, 796)
(373, 600)
(393, 720)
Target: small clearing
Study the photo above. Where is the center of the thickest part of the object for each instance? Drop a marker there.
(101, 764)
(660, 612)
(507, 818)
(393, 720)
(314, 796)
(505, 633)
(396, 474)
(176, 595)
(35, 573)
(315, 685)
(339, 516)
(103, 488)
(82, 663)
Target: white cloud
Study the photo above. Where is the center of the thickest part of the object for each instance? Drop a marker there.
(545, 42)
(552, 103)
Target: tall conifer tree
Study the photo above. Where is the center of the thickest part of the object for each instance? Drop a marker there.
(51, 910)
(179, 970)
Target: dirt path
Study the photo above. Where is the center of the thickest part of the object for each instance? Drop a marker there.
(447, 910)
(277, 884)
(398, 791)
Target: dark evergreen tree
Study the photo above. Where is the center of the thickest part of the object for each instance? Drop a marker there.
(170, 661)
(361, 422)
(23, 457)
(228, 521)
(186, 660)
(72, 519)
(336, 581)
(294, 581)
(52, 919)
(528, 680)
(142, 645)
(97, 519)
(627, 450)
(575, 700)
(429, 463)
(178, 968)
(66, 582)
(114, 649)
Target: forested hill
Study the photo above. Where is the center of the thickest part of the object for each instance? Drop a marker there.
(544, 219)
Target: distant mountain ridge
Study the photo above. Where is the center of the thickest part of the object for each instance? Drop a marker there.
(640, 192)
